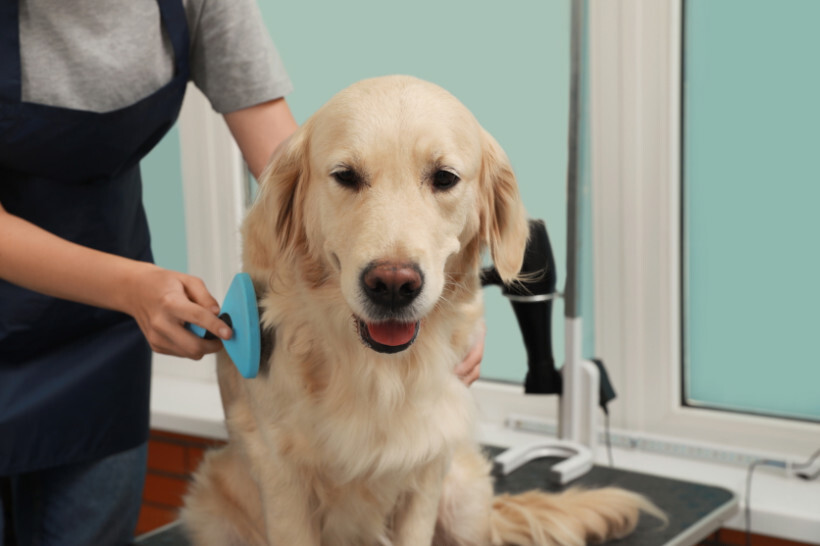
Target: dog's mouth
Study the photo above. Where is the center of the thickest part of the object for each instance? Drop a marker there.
(389, 336)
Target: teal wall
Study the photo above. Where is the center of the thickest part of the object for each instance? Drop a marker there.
(162, 195)
(507, 62)
(752, 188)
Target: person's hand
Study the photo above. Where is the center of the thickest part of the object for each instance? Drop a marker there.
(470, 368)
(162, 301)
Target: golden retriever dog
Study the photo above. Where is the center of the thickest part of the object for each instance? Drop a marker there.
(365, 245)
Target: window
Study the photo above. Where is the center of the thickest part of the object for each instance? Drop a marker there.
(751, 185)
(635, 88)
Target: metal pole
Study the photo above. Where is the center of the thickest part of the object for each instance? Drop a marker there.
(577, 431)
(572, 295)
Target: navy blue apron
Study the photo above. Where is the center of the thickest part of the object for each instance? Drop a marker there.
(74, 379)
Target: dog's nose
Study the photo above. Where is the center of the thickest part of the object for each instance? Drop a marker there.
(392, 285)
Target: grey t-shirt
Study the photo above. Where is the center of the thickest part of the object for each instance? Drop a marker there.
(104, 55)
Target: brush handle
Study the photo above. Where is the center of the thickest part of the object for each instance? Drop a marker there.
(199, 331)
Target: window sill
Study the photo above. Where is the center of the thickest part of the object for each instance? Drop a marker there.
(187, 406)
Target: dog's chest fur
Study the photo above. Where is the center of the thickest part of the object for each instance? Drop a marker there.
(363, 429)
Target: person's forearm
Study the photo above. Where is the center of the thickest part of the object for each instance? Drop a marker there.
(161, 301)
(259, 130)
(33, 258)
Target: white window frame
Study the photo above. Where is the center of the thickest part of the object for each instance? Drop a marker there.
(635, 114)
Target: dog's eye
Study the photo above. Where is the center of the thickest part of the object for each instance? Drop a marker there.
(347, 178)
(444, 180)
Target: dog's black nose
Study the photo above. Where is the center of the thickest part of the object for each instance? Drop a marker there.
(392, 285)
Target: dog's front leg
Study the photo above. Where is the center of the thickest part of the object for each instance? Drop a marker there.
(289, 518)
(415, 519)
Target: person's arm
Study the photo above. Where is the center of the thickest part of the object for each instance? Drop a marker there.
(259, 130)
(470, 368)
(160, 300)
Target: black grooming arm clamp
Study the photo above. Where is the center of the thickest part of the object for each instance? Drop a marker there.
(531, 299)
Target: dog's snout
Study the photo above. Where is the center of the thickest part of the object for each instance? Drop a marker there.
(392, 285)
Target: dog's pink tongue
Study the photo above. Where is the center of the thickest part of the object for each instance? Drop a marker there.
(392, 333)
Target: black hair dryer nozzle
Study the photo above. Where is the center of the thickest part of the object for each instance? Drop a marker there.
(531, 299)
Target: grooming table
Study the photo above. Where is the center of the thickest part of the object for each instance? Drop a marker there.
(695, 510)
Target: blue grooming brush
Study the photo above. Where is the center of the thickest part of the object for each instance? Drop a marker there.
(240, 312)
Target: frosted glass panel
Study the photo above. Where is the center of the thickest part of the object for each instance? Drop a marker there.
(507, 62)
(751, 192)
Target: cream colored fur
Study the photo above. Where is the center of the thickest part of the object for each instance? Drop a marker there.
(339, 444)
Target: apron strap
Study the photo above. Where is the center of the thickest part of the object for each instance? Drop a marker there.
(176, 23)
(10, 79)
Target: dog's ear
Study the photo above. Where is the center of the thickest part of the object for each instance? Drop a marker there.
(274, 225)
(503, 217)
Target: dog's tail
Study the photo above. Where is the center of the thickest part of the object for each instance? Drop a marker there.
(573, 518)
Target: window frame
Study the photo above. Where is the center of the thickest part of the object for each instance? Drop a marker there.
(636, 98)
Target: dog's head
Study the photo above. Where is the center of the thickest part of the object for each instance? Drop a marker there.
(391, 190)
